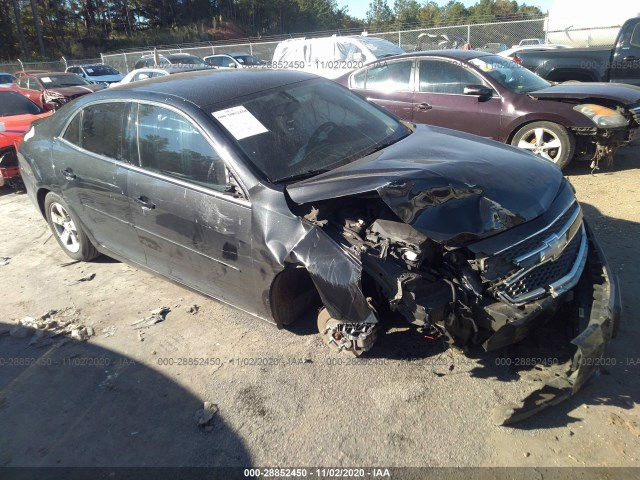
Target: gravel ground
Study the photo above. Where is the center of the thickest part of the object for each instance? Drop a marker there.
(129, 397)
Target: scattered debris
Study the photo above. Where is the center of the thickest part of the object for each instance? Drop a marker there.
(86, 278)
(56, 324)
(157, 315)
(4, 261)
(204, 416)
(193, 309)
(68, 263)
(109, 331)
(108, 382)
(141, 335)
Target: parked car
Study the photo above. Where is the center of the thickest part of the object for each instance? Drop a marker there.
(97, 73)
(441, 41)
(146, 73)
(513, 52)
(149, 61)
(284, 193)
(493, 97)
(16, 115)
(233, 60)
(530, 41)
(620, 64)
(493, 47)
(54, 87)
(332, 56)
(6, 79)
(24, 73)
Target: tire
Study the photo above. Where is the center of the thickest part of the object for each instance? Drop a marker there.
(548, 140)
(66, 229)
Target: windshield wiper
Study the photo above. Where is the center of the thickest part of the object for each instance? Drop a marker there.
(301, 176)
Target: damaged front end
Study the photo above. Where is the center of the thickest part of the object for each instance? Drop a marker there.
(473, 263)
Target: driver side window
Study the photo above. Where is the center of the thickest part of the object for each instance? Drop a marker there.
(171, 145)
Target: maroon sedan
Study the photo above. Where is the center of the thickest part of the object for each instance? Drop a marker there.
(494, 97)
(54, 87)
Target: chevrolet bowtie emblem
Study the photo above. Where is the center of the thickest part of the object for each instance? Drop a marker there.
(553, 247)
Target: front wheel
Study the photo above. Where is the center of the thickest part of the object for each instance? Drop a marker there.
(353, 339)
(66, 228)
(548, 140)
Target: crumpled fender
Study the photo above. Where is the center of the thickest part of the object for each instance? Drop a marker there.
(289, 239)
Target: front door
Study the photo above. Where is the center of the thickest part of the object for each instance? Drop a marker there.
(191, 230)
(625, 66)
(440, 99)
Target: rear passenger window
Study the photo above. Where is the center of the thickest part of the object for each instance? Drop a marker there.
(72, 133)
(171, 145)
(635, 36)
(103, 130)
(389, 76)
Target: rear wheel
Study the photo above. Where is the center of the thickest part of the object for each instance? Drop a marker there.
(548, 140)
(66, 229)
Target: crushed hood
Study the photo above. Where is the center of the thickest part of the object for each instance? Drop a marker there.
(625, 94)
(453, 187)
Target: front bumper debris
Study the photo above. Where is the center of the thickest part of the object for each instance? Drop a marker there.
(599, 309)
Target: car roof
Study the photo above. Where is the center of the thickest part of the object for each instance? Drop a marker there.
(208, 87)
(455, 54)
(40, 75)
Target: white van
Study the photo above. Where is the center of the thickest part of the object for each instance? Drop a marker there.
(333, 56)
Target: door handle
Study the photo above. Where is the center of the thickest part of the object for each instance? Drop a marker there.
(423, 107)
(145, 203)
(68, 174)
(630, 58)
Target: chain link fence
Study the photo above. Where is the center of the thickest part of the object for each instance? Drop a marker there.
(56, 66)
(489, 36)
(485, 36)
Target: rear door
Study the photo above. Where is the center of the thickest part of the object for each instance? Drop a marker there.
(388, 84)
(91, 160)
(191, 230)
(440, 99)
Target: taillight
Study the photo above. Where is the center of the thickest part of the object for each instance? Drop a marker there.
(517, 59)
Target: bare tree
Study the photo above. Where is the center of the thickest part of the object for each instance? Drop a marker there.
(36, 23)
(23, 42)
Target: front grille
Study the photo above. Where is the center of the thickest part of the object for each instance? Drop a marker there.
(548, 262)
(502, 264)
(545, 274)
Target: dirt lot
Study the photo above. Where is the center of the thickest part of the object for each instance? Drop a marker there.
(129, 396)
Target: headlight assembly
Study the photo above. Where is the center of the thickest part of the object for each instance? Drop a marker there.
(602, 116)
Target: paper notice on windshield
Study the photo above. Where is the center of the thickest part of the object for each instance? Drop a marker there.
(90, 70)
(45, 80)
(240, 122)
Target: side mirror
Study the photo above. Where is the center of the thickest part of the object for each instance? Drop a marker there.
(48, 106)
(479, 90)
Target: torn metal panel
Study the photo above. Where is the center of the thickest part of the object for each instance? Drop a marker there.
(289, 239)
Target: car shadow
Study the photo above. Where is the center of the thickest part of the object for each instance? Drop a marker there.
(81, 405)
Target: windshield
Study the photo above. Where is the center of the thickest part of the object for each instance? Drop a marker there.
(13, 103)
(303, 129)
(381, 48)
(183, 60)
(509, 74)
(99, 70)
(54, 80)
(248, 60)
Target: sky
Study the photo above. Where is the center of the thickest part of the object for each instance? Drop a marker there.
(358, 8)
